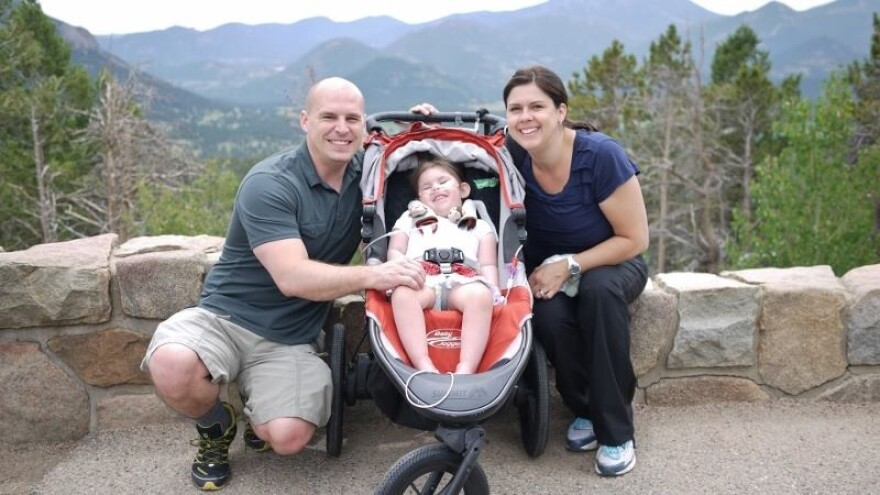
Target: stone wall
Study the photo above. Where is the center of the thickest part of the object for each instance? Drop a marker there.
(75, 318)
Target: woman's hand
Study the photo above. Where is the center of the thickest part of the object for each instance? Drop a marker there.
(424, 109)
(546, 280)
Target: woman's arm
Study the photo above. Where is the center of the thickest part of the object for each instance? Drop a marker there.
(625, 211)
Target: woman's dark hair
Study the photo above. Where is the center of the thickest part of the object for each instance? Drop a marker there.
(548, 82)
(435, 161)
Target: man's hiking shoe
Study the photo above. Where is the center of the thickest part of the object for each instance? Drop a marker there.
(580, 436)
(210, 469)
(254, 442)
(615, 460)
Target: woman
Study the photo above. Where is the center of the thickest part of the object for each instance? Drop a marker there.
(584, 208)
(583, 201)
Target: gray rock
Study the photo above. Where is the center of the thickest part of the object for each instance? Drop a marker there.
(40, 403)
(653, 326)
(802, 336)
(106, 358)
(157, 285)
(856, 389)
(63, 283)
(695, 390)
(717, 320)
(863, 314)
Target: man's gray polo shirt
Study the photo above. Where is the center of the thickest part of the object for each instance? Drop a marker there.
(282, 197)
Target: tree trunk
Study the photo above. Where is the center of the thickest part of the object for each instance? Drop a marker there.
(46, 199)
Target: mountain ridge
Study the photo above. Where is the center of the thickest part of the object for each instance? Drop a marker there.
(462, 60)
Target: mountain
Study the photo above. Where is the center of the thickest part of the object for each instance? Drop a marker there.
(811, 43)
(337, 56)
(228, 79)
(480, 49)
(238, 53)
(207, 126)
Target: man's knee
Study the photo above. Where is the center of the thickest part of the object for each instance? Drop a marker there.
(173, 365)
(287, 436)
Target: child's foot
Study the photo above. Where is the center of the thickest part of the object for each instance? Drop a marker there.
(425, 365)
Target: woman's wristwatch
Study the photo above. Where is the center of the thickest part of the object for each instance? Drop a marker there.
(574, 269)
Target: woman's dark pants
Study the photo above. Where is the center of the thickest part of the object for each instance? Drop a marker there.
(587, 340)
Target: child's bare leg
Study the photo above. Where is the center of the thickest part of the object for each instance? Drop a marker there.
(475, 303)
(407, 305)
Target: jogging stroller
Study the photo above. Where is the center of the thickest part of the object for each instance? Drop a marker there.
(514, 367)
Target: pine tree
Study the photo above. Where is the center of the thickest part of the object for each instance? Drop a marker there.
(44, 101)
(662, 144)
(608, 91)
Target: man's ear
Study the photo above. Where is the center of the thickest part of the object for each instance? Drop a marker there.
(304, 121)
(465, 190)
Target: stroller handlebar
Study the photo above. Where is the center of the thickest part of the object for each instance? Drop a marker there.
(491, 123)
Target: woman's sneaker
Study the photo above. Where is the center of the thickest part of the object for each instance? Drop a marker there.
(615, 460)
(210, 469)
(580, 436)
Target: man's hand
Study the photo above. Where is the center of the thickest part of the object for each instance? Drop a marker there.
(397, 272)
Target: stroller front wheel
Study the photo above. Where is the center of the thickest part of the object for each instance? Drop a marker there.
(429, 469)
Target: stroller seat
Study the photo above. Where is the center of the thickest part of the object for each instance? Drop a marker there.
(443, 328)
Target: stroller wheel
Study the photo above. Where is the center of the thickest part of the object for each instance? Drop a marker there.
(429, 469)
(337, 377)
(534, 403)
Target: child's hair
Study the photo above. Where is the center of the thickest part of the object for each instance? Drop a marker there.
(431, 162)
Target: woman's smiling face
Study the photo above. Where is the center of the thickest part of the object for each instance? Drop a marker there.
(531, 116)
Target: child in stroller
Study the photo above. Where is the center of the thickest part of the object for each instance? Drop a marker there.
(458, 251)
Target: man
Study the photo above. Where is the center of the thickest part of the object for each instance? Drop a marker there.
(294, 226)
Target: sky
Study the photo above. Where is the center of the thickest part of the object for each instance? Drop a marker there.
(124, 17)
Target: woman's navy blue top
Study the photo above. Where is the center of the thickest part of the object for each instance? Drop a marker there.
(571, 221)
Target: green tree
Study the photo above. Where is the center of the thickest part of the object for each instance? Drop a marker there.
(607, 90)
(661, 143)
(744, 102)
(865, 79)
(43, 104)
(812, 207)
(129, 153)
(202, 207)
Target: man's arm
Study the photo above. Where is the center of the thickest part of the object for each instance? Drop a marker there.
(295, 275)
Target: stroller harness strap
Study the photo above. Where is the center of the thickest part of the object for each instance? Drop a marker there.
(447, 269)
(432, 268)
